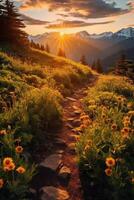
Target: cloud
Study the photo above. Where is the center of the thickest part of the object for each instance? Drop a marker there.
(74, 24)
(79, 8)
(32, 21)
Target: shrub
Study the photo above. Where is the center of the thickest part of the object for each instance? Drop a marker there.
(35, 112)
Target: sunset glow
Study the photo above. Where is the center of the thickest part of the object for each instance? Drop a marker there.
(92, 16)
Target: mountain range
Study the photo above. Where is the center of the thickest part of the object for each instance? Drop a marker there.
(107, 46)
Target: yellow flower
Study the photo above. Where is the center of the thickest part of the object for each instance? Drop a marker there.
(3, 132)
(11, 167)
(110, 162)
(86, 148)
(114, 127)
(125, 129)
(103, 116)
(1, 183)
(127, 119)
(19, 149)
(130, 105)
(20, 170)
(7, 161)
(108, 172)
(119, 98)
(131, 112)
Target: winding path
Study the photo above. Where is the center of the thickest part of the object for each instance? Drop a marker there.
(58, 177)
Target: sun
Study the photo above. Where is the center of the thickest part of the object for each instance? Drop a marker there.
(61, 34)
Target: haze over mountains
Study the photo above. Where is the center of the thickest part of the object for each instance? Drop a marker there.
(107, 46)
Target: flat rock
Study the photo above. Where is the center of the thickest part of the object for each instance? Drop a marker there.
(70, 119)
(75, 107)
(71, 99)
(52, 162)
(59, 151)
(33, 193)
(74, 137)
(53, 193)
(69, 126)
(65, 173)
(61, 142)
(71, 147)
(76, 122)
(77, 112)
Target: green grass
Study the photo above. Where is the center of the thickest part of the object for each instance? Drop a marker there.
(110, 106)
(31, 97)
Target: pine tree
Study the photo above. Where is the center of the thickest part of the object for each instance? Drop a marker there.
(83, 60)
(99, 68)
(12, 33)
(42, 47)
(47, 49)
(93, 66)
(61, 53)
(121, 65)
(2, 20)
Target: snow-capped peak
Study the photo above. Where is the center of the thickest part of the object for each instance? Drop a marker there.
(83, 34)
(123, 33)
(126, 32)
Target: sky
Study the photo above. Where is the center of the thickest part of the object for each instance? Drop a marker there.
(70, 16)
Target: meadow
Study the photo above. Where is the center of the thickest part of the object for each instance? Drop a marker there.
(105, 149)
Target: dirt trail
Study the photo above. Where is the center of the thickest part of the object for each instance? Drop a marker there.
(64, 145)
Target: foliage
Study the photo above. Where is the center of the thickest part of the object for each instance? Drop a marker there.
(83, 60)
(125, 67)
(35, 112)
(15, 171)
(105, 148)
(12, 33)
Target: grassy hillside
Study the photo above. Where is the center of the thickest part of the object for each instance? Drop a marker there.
(105, 148)
(31, 94)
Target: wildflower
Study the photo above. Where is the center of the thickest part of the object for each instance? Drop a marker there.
(19, 149)
(110, 162)
(119, 98)
(86, 122)
(125, 129)
(130, 105)
(104, 108)
(21, 170)
(7, 161)
(103, 116)
(127, 119)
(114, 127)
(90, 142)
(91, 102)
(126, 124)
(1, 183)
(86, 148)
(83, 117)
(3, 132)
(108, 121)
(83, 126)
(11, 167)
(108, 172)
(131, 112)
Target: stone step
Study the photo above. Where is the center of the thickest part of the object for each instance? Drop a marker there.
(53, 193)
(53, 162)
